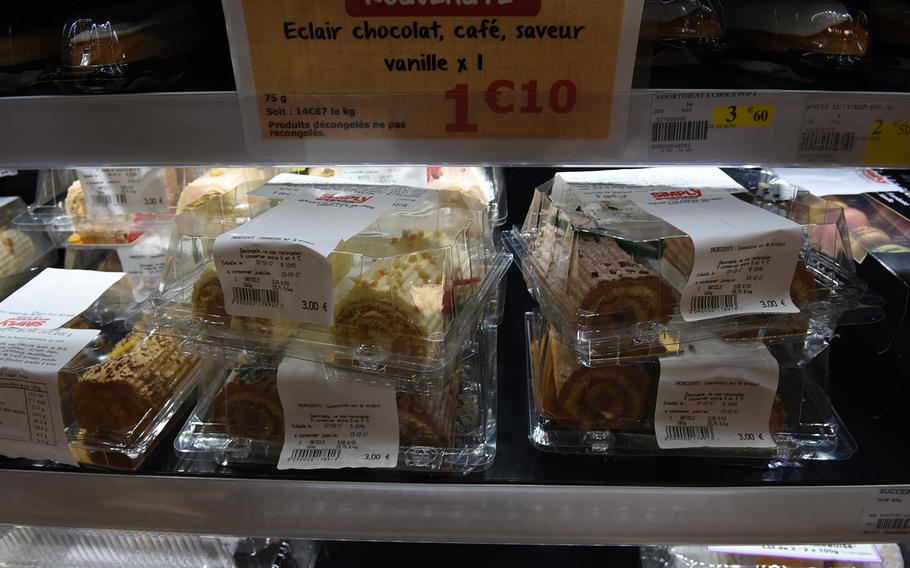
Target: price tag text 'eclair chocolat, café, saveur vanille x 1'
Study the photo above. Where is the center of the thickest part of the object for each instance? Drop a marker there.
(434, 69)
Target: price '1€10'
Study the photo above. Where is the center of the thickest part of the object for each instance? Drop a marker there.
(502, 97)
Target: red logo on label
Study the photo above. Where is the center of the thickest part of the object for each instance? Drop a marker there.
(344, 198)
(677, 194)
(873, 175)
(24, 322)
(364, 8)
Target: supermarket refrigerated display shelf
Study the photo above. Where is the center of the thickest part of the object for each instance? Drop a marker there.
(205, 128)
(526, 497)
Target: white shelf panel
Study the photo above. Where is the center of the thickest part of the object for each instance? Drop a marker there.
(206, 128)
(436, 512)
(157, 129)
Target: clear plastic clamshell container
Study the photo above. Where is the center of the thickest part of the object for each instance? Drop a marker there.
(807, 556)
(143, 260)
(830, 33)
(683, 23)
(22, 254)
(124, 390)
(125, 46)
(610, 410)
(45, 547)
(240, 419)
(484, 185)
(609, 276)
(408, 289)
(111, 207)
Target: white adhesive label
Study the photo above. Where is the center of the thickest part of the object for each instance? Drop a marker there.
(276, 265)
(711, 125)
(745, 257)
(855, 130)
(120, 191)
(410, 176)
(327, 192)
(887, 513)
(333, 425)
(54, 297)
(144, 262)
(716, 396)
(837, 181)
(608, 185)
(863, 553)
(31, 422)
(4, 201)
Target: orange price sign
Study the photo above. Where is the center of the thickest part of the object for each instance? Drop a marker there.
(493, 69)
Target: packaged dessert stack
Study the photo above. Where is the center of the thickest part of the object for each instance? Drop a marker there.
(322, 295)
(80, 388)
(121, 219)
(680, 313)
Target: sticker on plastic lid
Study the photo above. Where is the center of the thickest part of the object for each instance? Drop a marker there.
(617, 184)
(31, 421)
(277, 265)
(410, 176)
(717, 396)
(54, 297)
(144, 262)
(837, 181)
(863, 553)
(120, 191)
(332, 424)
(744, 259)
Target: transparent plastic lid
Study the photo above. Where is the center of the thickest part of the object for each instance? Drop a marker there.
(119, 392)
(108, 207)
(831, 28)
(610, 409)
(240, 418)
(483, 185)
(611, 277)
(111, 47)
(122, 392)
(680, 22)
(406, 289)
(143, 260)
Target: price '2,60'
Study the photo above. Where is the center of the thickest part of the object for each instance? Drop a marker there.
(560, 99)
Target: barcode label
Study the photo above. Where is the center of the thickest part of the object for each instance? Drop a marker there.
(679, 131)
(826, 140)
(315, 454)
(255, 296)
(887, 511)
(897, 524)
(690, 433)
(107, 199)
(722, 302)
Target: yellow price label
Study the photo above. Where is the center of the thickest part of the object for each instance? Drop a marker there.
(741, 116)
(888, 143)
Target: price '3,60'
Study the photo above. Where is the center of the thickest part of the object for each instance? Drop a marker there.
(502, 98)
